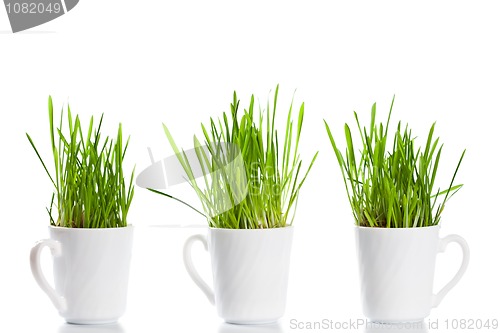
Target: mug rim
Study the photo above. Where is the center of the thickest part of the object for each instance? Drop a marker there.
(437, 226)
(53, 227)
(287, 227)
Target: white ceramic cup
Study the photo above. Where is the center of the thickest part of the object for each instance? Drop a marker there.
(250, 272)
(91, 270)
(396, 268)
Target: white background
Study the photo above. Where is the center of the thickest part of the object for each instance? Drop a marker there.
(147, 62)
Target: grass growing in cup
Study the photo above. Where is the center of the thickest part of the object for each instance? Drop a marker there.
(90, 240)
(264, 189)
(89, 182)
(392, 187)
(397, 213)
(248, 181)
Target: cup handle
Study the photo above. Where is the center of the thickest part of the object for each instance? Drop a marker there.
(188, 263)
(56, 250)
(443, 243)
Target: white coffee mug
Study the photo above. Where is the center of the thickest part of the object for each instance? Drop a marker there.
(397, 267)
(250, 272)
(91, 271)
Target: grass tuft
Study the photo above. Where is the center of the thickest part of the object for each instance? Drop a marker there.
(392, 187)
(262, 191)
(90, 190)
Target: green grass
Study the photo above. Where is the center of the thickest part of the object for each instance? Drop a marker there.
(263, 190)
(392, 187)
(90, 190)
